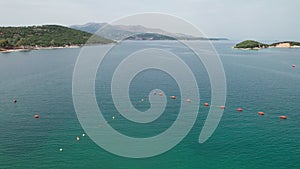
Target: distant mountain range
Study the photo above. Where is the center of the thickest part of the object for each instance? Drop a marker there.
(135, 32)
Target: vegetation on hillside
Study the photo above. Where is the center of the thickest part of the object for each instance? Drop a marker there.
(292, 43)
(44, 36)
(251, 44)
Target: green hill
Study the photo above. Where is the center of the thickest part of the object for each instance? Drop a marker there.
(44, 36)
(250, 44)
(292, 43)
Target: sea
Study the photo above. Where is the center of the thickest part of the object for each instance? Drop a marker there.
(256, 80)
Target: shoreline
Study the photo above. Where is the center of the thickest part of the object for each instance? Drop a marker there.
(28, 49)
(270, 47)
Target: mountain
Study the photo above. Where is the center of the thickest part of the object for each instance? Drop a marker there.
(29, 37)
(115, 32)
(89, 27)
(118, 32)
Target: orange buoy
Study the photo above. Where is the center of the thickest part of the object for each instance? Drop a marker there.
(206, 104)
(14, 101)
(261, 113)
(160, 94)
(173, 97)
(188, 100)
(283, 117)
(36, 116)
(239, 109)
(222, 107)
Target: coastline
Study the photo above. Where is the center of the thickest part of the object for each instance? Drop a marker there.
(254, 45)
(233, 47)
(259, 48)
(27, 49)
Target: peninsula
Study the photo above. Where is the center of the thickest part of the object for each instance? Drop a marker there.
(254, 45)
(46, 36)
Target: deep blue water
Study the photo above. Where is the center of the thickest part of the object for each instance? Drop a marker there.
(41, 81)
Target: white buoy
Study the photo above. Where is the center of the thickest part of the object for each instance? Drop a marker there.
(77, 138)
(60, 149)
(113, 117)
(83, 135)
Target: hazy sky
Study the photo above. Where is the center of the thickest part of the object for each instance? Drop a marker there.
(235, 19)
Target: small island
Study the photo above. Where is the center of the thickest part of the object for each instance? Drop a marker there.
(27, 38)
(254, 45)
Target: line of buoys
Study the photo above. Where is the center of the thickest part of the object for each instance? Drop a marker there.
(160, 94)
(283, 117)
(223, 107)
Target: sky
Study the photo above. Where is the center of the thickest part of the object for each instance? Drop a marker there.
(234, 19)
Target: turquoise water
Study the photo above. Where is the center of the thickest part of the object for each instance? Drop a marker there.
(41, 81)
